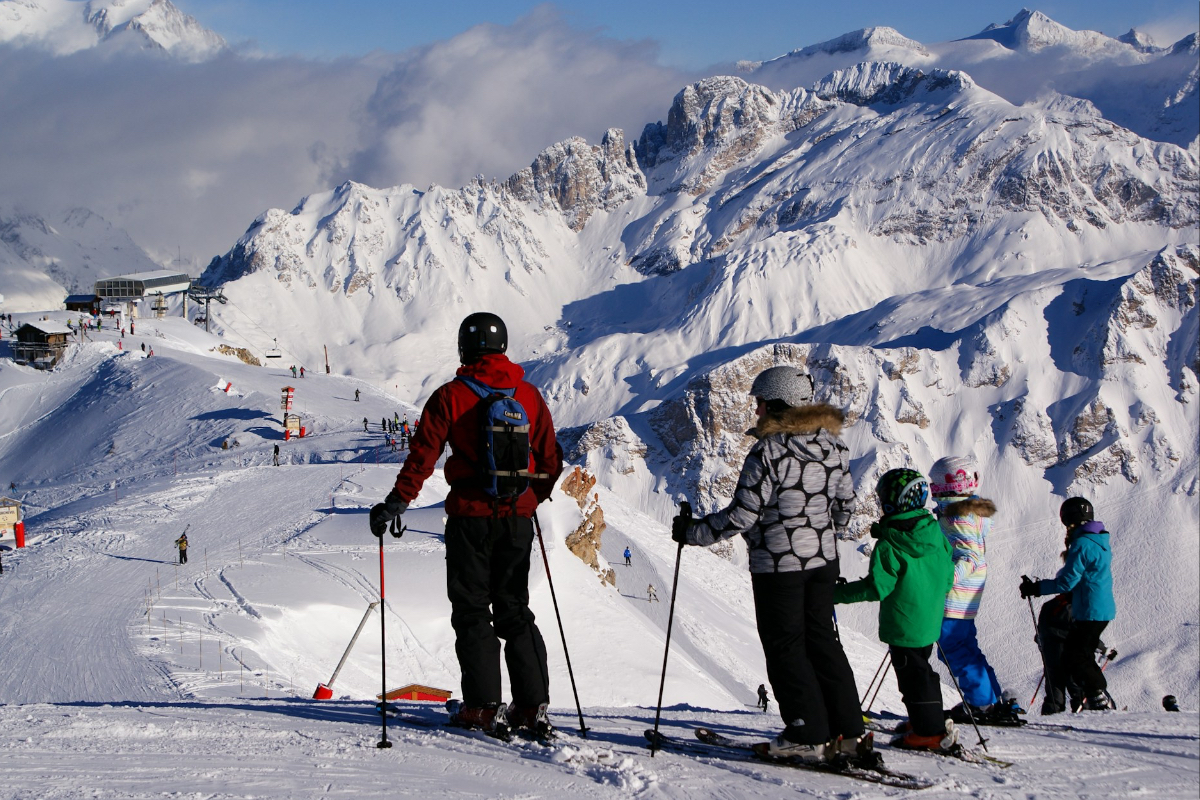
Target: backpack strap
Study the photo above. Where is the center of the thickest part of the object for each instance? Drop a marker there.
(483, 390)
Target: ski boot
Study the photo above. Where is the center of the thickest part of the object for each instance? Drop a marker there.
(1099, 702)
(533, 720)
(943, 743)
(860, 750)
(784, 748)
(491, 718)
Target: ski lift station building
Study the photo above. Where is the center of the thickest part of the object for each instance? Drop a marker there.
(133, 288)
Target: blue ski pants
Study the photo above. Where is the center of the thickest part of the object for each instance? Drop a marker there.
(975, 676)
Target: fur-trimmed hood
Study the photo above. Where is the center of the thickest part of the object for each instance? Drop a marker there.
(971, 505)
(800, 420)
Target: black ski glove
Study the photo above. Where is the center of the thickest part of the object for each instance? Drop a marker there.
(382, 513)
(680, 527)
(1030, 587)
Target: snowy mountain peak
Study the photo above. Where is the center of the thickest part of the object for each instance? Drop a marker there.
(1188, 45)
(67, 26)
(1033, 31)
(1140, 41)
(861, 41)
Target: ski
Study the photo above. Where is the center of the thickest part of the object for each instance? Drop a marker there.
(721, 747)
(395, 713)
(970, 755)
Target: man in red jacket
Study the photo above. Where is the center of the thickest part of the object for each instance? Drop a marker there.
(488, 541)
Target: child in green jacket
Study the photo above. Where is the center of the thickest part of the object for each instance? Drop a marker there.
(912, 569)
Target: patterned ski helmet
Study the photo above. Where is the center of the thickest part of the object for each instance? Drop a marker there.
(792, 385)
(954, 476)
(902, 490)
(1075, 511)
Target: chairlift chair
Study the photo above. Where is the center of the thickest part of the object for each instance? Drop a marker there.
(274, 351)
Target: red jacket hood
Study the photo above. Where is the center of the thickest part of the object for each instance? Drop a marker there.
(495, 370)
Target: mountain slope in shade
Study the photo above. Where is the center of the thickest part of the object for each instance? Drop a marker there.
(67, 26)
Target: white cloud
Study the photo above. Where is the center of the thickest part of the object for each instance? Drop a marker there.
(186, 155)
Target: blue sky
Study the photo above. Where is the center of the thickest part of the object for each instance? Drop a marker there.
(690, 34)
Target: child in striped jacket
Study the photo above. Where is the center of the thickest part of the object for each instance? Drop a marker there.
(965, 519)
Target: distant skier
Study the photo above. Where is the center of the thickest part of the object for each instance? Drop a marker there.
(293, 370)
(302, 372)
(383, 424)
(143, 347)
(911, 571)
(277, 455)
(365, 429)
(965, 519)
(182, 544)
(132, 328)
(356, 395)
(794, 494)
(1087, 575)
(651, 594)
(12, 486)
(763, 699)
(628, 556)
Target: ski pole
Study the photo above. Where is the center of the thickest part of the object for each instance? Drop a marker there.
(1038, 641)
(570, 672)
(383, 743)
(886, 654)
(1037, 688)
(685, 509)
(966, 705)
(882, 678)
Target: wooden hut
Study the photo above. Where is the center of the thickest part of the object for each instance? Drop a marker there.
(40, 344)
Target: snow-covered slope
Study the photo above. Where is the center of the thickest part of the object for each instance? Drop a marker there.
(127, 675)
(42, 260)
(67, 26)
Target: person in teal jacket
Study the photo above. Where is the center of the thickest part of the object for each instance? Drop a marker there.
(1087, 574)
(912, 569)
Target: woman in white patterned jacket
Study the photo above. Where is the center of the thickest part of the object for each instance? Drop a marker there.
(794, 494)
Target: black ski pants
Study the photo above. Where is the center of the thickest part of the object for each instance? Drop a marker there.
(487, 581)
(920, 688)
(1079, 656)
(1053, 624)
(812, 680)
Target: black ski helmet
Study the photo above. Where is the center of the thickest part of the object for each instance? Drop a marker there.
(479, 334)
(1076, 511)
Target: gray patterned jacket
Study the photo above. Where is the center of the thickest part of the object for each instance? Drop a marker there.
(794, 493)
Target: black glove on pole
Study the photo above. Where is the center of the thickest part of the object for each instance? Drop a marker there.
(388, 511)
(685, 511)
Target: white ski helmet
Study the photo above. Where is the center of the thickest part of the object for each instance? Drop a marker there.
(792, 385)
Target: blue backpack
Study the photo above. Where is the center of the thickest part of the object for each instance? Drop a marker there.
(504, 451)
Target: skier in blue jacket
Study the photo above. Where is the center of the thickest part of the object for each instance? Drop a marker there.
(1087, 574)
